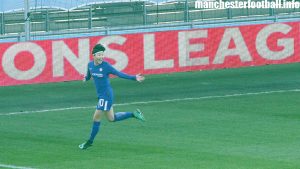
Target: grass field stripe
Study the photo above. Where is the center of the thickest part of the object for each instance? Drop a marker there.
(14, 167)
(155, 101)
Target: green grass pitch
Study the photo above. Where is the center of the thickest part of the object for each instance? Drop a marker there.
(241, 118)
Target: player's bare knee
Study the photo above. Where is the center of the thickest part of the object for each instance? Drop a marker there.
(111, 118)
(110, 115)
(96, 119)
(97, 115)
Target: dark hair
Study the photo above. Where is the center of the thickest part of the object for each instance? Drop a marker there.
(98, 48)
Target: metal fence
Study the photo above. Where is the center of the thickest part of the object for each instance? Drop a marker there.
(126, 14)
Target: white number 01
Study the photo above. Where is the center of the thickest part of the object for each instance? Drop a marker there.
(102, 103)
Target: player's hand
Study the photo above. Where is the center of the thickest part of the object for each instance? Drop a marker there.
(139, 77)
(84, 79)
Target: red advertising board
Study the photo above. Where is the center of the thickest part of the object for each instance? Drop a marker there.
(152, 53)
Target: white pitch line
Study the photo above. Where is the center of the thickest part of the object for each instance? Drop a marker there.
(46, 110)
(14, 167)
(155, 101)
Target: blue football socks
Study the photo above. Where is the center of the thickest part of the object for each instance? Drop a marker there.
(95, 129)
(122, 116)
(117, 116)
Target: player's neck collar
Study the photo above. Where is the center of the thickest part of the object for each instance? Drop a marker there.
(96, 64)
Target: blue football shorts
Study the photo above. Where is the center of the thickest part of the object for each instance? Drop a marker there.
(104, 104)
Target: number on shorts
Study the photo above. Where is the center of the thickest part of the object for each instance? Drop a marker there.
(101, 102)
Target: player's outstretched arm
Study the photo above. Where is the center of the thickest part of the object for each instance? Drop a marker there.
(139, 77)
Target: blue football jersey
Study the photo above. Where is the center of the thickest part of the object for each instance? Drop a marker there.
(100, 74)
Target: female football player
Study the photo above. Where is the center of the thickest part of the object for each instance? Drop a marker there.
(100, 71)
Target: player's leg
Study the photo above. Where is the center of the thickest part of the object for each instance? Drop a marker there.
(113, 117)
(119, 116)
(110, 115)
(96, 124)
(95, 128)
